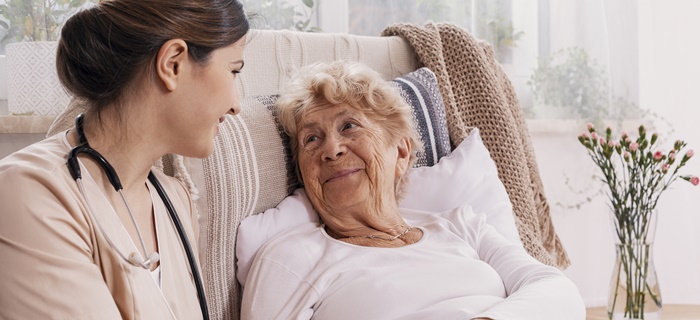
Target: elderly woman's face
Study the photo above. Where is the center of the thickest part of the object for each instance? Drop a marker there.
(346, 159)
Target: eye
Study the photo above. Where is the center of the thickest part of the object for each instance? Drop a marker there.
(310, 139)
(235, 72)
(349, 125)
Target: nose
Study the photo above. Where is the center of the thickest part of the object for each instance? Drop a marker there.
(234, 111)
(333, 148)
(236, 106)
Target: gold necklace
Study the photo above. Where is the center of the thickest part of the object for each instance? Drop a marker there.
(392, 238)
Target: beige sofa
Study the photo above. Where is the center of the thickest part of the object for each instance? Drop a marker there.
(249, 170)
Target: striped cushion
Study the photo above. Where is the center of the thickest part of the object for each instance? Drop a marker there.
(420, 90)
(251, 171)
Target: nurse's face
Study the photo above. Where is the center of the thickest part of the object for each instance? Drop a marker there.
(211, 95)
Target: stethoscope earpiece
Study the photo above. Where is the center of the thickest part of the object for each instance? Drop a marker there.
(136, 260)
(154, 257)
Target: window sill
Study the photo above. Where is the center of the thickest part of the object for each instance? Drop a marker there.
(41, 124)
(578, 126)
(555, 126)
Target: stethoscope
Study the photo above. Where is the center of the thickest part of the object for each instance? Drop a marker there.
(135, 258)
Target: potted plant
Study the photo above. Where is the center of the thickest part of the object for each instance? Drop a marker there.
(503, 37)
(283, 15)
(29, 41)
(570, 82)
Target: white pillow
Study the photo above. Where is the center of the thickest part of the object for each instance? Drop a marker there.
(254, 231)
(468, 176)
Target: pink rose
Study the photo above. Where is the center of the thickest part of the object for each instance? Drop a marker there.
(634, 146)
(690, 153)
(611, 143)
(594, 136)
(628, 140)
(602, 141)
(672, 155)
(658, 155)
(624, 134)
(694, 180)
(664, 168)
(626, 155)
(584, 135)
(589, 126)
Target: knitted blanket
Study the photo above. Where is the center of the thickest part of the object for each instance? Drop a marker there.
(477, 93)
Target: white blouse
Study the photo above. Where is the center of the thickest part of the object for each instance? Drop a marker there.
(461, 268)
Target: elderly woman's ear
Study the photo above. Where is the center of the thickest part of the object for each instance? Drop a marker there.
(403, 157)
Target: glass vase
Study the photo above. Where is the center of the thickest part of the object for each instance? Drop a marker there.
(634, 289)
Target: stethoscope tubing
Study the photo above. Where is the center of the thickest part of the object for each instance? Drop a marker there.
(74, 169)
(79, 181)
(185, 243)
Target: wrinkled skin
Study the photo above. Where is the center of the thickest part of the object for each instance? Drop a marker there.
(350, 170)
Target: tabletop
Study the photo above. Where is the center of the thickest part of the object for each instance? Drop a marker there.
(669, 312)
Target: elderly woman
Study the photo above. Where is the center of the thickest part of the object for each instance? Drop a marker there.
(352, 139)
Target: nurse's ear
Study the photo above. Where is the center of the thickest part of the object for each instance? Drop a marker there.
(172, 58)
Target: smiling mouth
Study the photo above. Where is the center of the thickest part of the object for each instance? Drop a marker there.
(341, 174)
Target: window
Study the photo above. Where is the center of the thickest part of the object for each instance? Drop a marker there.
(559, 68)
(35, 20)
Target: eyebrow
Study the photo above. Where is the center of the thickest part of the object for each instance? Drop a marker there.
(315, 124)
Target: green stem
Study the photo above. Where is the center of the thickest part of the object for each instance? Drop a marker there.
(634, 260)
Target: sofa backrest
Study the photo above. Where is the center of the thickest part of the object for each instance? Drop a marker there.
(271, 57)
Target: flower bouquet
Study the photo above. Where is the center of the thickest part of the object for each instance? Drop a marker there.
(636, 173)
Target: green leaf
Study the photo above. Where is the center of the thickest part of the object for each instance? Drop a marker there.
(308, 3)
